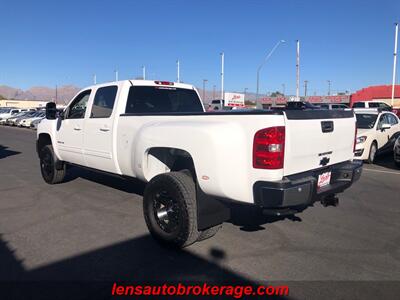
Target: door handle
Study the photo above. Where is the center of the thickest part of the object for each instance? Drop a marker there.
(77, 128)
(104, 129)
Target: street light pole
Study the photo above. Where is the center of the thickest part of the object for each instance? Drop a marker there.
(329, 87)
(394, 61)
(204, 89)
(178, 71)
(283, 89)
(144, 72)
(298, 71)
(245, 91)
(259, 69)
(214, 87)
(222, 74)
(305, 87)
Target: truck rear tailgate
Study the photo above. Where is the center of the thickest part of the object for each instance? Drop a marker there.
(317, 138)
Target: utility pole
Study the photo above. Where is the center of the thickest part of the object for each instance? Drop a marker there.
(245, 91)
(204, 89)
(329, 87)
(298, 72)
(394, 61)
(144, 72)
(94, 79)
(283, 89)
(56, 94)
(214, 87)
(222, 75)
(305, 88)
(177, 71)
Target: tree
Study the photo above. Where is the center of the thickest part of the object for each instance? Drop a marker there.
(2, 97)
(277, 94)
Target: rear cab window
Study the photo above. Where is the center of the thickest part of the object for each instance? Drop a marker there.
(157, 99)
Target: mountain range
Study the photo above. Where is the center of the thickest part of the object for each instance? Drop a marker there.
(64, 93)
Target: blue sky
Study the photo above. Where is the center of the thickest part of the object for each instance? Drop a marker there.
(44, 43)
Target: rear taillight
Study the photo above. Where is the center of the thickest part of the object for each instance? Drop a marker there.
(269, 148)
(355, 139)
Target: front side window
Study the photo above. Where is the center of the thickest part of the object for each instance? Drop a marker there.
(392, 119)
(154, 99)
(78, 106)
(383, 105)
(374, 105)
(103, 102)
(383, 120)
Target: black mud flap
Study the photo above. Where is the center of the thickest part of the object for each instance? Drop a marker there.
(211, 211)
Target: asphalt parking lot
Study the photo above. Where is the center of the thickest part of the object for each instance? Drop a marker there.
(92, 228)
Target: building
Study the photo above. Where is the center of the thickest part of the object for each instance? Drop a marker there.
(378, 92)
(23, 103)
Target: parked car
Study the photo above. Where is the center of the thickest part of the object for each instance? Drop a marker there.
(13, 120)
(35, 123)
(376, 104)
(157, 131)
(29, 114)
(28, 121)
(376, 133)
(218, 104)
(8, 113)
(396, 152)
(331, 105)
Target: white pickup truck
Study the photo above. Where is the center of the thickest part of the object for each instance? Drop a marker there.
(198, 164)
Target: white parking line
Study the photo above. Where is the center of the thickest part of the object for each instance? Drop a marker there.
(380, 171)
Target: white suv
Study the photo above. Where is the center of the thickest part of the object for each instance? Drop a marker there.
(376, 133)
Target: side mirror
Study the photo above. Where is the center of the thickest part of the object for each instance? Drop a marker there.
(385, 126)
(51, 111)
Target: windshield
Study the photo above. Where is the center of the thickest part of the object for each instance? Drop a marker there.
(366, 121)
(5, 110)
(154, 99)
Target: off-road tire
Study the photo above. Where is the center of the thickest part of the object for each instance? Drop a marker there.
(181, 191)
(53, 171)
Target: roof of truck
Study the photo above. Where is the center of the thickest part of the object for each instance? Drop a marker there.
(140, 82)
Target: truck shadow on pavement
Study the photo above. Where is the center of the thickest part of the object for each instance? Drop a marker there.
(246, 217)
(5, 152)
(91, 275)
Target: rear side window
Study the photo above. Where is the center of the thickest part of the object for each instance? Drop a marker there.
(359, 104)
(154, 99)
(103, 102)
